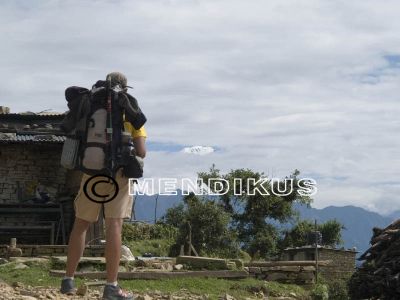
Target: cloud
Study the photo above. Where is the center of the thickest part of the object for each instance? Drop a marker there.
(198, 150)
(277, 85)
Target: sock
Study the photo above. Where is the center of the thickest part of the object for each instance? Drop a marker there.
(66, 277)
(115, 283)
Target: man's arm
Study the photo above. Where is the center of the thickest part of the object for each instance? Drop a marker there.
(140, 146)
(139, 138)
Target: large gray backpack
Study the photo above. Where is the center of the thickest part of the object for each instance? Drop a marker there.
(94, 130)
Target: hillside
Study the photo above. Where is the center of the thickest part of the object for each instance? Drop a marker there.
(358, 221)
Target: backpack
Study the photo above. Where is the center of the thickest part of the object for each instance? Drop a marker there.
(95, 127)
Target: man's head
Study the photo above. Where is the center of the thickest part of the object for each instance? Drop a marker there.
(117, 78)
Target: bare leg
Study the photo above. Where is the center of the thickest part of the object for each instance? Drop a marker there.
(113, 247)
(76, 245)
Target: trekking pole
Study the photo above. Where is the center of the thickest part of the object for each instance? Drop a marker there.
(109, 129)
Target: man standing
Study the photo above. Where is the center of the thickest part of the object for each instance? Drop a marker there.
(87, 212)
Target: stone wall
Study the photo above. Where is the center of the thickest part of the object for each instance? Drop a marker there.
(24, 165)
(51, 250)
(342, 261)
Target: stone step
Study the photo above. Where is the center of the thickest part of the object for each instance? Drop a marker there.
(154, 274)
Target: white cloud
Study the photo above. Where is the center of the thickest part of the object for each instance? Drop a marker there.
(198, 150)
(277, 85)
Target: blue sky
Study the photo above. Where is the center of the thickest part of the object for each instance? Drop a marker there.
(271, 85)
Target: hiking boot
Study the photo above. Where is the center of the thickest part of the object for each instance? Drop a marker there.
(112, 292)
(67, 287)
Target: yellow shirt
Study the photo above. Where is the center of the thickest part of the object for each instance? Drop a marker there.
(135, 132)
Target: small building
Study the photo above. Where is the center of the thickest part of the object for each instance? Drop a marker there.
(343, 262)
(30, 152)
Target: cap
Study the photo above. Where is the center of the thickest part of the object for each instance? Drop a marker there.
(117, 78)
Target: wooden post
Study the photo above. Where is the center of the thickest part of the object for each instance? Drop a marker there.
(316, 252)
(155, 210)
(13, 243)
(190, 239)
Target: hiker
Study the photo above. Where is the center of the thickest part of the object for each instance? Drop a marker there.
(87, 212)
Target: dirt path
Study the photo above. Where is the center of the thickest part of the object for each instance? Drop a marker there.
(23, 292)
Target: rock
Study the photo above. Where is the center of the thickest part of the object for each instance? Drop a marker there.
(27, 298)
(20, 266)
(239, 263)
(87, 269)
(144, 297)
(3, 261)
(122, 269)
(39, 292)
(16, 284)
(140, 263)
(28, 293)
(208, 263)
(82, 290)
(126, 254)
(228, 297)
(17, 252)
(231, 265)
(62, 260)
(178, 267)
(29, 260)
(166, 266)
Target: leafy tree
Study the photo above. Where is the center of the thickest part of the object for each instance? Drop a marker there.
(331, 232)
(297, 236)
(252, 211)
(208, 221)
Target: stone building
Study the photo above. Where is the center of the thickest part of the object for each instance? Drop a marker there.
(30, 152)
(342, 265)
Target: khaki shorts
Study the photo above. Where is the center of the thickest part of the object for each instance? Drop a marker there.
(119, 207)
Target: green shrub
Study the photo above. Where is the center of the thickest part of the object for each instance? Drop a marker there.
(243, 255)
(207, 223)
(320, 292)
(338, 290)
(144, 231)
(159, 247)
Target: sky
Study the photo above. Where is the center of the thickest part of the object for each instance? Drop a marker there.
(272, 86)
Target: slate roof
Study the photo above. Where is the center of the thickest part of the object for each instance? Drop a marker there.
(31, 128)
(11, 138)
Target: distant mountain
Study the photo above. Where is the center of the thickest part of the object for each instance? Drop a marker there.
(394, 215)
(358, 221)
(145, 206)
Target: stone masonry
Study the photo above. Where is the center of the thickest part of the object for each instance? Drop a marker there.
(22, 166)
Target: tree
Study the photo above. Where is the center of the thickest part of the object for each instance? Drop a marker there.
(297, 236)
(252, 212)
(331, 232)
(209, 225)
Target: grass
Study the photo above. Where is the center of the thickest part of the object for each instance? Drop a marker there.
(159, 247)
(38, 275)
(215, 288)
